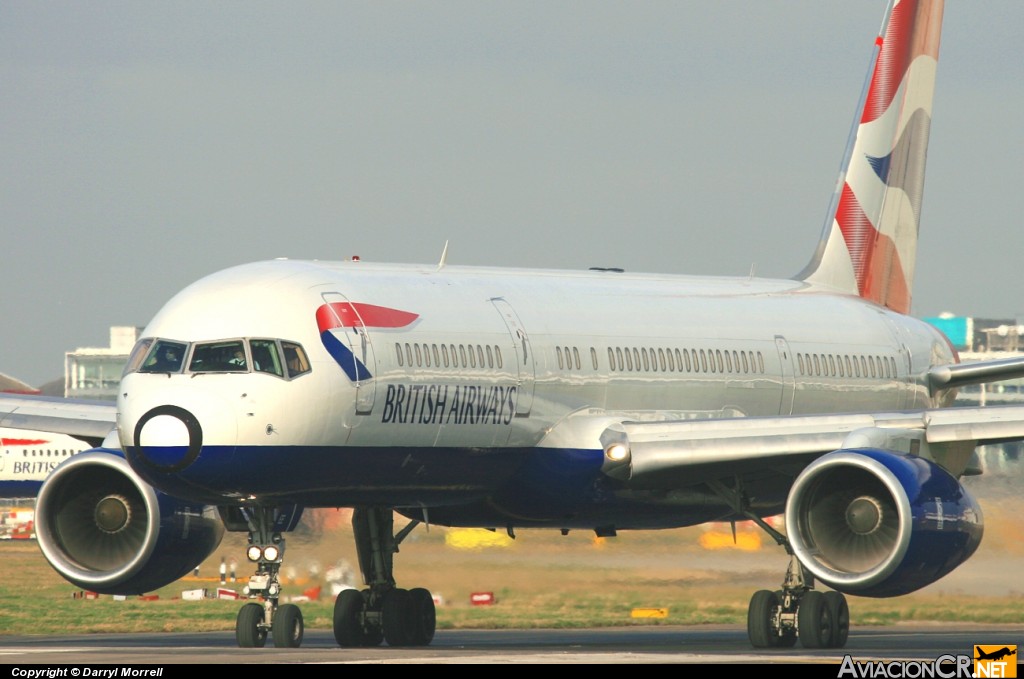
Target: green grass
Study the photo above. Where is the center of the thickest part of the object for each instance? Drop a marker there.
(542, 580)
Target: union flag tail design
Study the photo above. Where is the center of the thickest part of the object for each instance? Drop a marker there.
(870, 239)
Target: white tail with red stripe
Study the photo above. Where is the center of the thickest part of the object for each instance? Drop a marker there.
(870, 239)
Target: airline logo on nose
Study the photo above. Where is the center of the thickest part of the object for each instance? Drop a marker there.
(340, 316)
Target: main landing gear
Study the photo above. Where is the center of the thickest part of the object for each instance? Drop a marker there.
(382, 612)
(775, 619)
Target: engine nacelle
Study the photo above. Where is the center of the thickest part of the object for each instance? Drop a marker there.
(879, 524)
(104, 529)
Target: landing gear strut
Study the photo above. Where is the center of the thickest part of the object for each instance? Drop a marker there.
(776, 619)
(255, 620)
(382, 611)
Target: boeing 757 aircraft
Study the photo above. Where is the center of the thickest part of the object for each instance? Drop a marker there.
(577, 400)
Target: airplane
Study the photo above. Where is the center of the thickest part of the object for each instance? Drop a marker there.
(596, 400)
(996, 655)
(27, 457)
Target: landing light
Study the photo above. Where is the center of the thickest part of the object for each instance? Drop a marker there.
(254, 553)
(271, 553)
(617, 452)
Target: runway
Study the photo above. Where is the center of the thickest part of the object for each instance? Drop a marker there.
(629, 645)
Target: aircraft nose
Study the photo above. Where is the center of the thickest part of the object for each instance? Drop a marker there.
(168, 438)
(169, 432)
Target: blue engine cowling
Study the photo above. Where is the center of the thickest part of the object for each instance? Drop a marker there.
(106, 530)
(879, 524)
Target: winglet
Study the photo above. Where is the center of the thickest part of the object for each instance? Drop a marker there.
(869, 243)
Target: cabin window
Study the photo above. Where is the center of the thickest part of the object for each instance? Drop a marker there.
(728, 363)
(576, 357)
(437, 356)
(398, 352)
(831, 365)
(444, 354)
(593, 357)
(643, 353)
(611, 359)
(558, 353)
(671, 360)
(462, 356)
(419, 355)
(618, 356)
(497, 356)
(629, 360)
(760, 362)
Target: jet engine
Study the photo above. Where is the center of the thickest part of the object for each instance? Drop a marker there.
(105, 530)
(879, 524)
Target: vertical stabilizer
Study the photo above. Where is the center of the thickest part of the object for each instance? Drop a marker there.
(870, 238)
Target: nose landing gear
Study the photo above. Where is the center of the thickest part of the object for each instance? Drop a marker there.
(267, 617)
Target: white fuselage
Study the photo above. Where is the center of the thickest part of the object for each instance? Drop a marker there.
(495, 360)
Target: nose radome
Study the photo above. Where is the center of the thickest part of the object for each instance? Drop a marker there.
(168, 438)
(164, 428)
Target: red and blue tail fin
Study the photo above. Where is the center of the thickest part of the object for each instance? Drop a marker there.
(869, 243)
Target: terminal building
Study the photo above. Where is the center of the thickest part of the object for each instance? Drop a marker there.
(95, 372)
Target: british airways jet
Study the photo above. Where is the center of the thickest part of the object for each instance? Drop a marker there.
(576, 400)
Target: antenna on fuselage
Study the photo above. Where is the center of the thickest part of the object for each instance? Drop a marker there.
(444, 257)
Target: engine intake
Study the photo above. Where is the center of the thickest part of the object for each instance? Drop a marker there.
(877, 523)
(104, 529)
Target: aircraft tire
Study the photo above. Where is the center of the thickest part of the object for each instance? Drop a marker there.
(422, 616)
(759, 619)
(248, 632)
(814, 620)
(395, 618)
(347, 607)
(288, 626)
(840, 612)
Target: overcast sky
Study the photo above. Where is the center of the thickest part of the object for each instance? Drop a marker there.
(145, 145)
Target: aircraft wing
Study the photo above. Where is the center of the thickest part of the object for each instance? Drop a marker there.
(692, 451)
(90, 421)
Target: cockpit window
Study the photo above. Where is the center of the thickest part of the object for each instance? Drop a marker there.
(265, 357)
(295, 359)
(139, 352)
(165, 357)
(224, 356)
